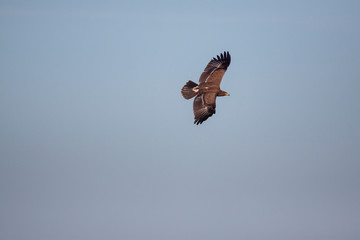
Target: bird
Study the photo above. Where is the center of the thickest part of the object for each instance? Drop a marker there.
(208, 89)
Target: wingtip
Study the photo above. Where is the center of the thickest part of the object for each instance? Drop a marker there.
(197, 122)
(227, 57)
(227, 54)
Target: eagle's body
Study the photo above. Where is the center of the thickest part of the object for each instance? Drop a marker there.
(208, 89)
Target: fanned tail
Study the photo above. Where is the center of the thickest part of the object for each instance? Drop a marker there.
(189, 90)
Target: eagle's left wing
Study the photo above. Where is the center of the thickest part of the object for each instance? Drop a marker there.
(204, 107)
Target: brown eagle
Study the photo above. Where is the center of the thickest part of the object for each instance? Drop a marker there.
(208, 89)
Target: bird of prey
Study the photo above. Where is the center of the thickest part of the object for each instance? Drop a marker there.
(208, 89)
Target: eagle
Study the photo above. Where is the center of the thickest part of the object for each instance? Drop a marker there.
(208, 89)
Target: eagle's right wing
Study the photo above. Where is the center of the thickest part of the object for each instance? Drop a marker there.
(216, 69)
(204, 107)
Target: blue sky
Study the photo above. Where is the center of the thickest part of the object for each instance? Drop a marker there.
(96, 140)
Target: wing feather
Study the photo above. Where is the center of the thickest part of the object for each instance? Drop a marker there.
(216, 69)
(204, 107)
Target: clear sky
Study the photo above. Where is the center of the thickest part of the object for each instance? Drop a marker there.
(96, 141)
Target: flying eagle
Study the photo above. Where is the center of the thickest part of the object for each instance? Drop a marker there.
(208, 89)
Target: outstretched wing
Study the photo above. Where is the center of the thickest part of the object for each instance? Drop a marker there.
(204, 107)
(216, 69)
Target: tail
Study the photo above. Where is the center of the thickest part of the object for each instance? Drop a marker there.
(188, 90)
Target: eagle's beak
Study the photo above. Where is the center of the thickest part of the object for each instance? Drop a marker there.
(227, 94)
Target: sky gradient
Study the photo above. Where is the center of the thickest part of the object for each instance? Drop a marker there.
(96, 141)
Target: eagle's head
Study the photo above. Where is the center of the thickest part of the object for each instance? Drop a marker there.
(223, 93)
